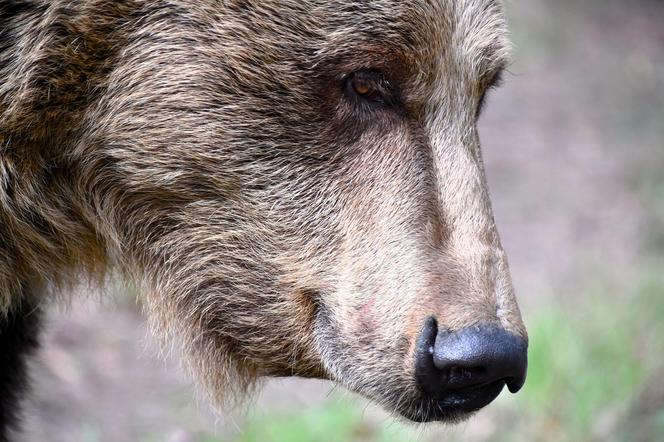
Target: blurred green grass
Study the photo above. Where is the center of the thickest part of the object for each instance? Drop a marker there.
(591, 364)
(335, 420)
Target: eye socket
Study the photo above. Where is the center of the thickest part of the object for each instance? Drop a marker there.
(367, 85)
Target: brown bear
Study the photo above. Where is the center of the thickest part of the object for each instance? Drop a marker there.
(296, 186)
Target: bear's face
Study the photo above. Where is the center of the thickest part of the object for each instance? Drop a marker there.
(307, 196)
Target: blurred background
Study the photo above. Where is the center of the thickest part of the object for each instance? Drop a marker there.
(574, 149)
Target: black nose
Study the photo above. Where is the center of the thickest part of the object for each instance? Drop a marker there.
(466, 369)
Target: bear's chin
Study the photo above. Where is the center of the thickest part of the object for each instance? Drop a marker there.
(443, 416)
(452, 407)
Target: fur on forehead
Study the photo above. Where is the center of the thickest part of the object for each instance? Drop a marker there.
(416, 35)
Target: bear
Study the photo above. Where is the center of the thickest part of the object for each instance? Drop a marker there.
(296, 187)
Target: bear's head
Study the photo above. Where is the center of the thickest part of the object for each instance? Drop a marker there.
(299, 187)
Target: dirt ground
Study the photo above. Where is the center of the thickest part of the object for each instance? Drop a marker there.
(574, 150)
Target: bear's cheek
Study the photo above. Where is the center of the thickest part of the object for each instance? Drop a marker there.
(373, 328)
(367, 324)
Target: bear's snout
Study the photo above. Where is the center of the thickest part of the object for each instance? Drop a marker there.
(463, 371)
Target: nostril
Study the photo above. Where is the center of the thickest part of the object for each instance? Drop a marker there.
(463, 374)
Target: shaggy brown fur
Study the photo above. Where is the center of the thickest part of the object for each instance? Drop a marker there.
(278, 222)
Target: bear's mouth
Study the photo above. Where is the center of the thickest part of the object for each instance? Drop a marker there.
(455, 405)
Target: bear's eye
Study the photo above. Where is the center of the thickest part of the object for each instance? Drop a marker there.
(368, 86)
(495, 81)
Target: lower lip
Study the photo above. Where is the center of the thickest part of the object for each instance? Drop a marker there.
(472, 399)
(457, 404)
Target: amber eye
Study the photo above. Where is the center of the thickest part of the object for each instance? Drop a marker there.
(362, 86)
(366, 85)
